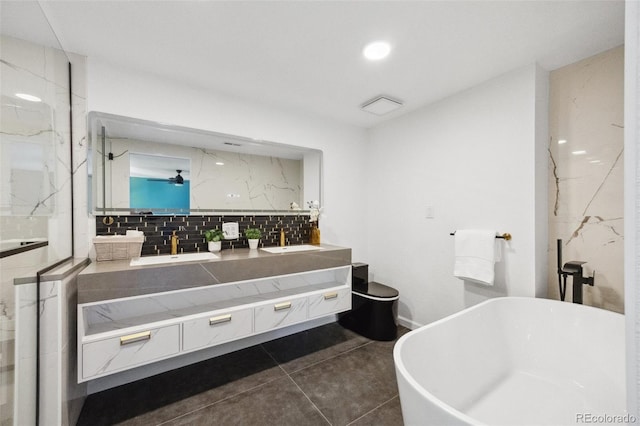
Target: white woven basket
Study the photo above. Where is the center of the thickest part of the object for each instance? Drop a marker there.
(117, 247)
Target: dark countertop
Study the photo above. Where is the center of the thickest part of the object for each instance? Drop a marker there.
(57, 274)
(116, 279)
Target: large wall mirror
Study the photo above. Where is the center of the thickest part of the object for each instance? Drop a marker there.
(138, 166)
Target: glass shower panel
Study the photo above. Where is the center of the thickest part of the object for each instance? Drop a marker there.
(35, 193)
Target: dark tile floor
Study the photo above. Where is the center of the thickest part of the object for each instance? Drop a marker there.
(324, 376)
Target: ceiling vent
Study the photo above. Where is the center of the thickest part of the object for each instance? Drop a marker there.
(381, 105)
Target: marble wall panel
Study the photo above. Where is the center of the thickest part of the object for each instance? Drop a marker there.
(72, 394)
(61, 396)
(79, 150)
(25, 366)
(35, 192)
(586, 175)
(35, 176)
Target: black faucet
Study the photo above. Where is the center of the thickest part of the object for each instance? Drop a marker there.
(574, 268)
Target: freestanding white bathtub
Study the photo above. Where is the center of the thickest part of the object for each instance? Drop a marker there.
(514, 361)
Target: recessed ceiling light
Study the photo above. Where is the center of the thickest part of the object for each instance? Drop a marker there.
(219, 163)
(376, 50)
(28, 97)
(581, 152)
(562, 141)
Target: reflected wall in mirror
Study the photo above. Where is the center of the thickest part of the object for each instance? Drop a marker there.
(223, 172)
(157, 182)
(28, 159)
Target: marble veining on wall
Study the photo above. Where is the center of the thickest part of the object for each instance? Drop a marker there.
(29, 132)
(586, 175)
(35, 200)
(227, 180)
(31, 135)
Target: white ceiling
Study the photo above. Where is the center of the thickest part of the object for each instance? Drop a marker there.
(306, 55)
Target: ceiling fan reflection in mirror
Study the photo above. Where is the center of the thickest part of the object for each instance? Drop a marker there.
(177, 180)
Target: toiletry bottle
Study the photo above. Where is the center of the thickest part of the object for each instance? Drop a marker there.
(174, 243)
(282, 238)
(314, 237)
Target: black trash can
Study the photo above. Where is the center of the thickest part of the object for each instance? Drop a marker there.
(373, 307)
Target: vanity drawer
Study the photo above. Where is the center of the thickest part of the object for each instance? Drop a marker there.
(218, 328)
(279, 314)
(329, 302)
(126, 351)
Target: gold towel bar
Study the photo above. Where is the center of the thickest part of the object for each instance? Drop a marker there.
(505, 236)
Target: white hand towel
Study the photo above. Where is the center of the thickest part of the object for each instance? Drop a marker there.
(475, 255)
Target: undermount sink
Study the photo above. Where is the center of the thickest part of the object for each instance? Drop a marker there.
(291, 249)
(173, 258)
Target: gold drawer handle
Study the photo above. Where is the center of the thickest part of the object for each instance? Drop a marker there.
(282, 306)
(328, 296)
(137, 337)
(220, 319)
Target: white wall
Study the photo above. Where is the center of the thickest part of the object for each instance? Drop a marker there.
(632, 203)
(473, 158)
(117, 90)
(541, 170)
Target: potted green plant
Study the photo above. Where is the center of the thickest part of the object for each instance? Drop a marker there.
(214, 239)
(253, 236)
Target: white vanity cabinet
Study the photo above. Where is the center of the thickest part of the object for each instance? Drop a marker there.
(327, 302)
(117, 353)
(216, 328)
(280, 314)
(119, 334)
